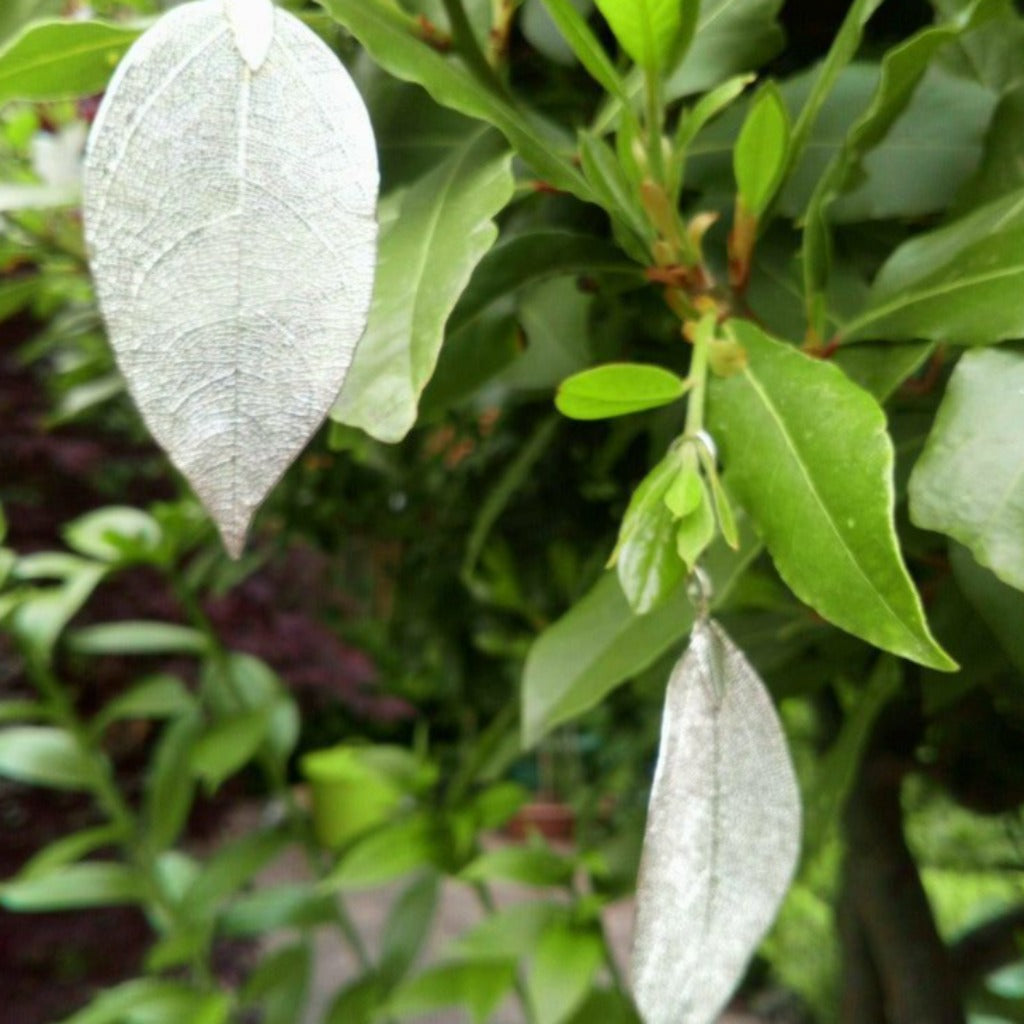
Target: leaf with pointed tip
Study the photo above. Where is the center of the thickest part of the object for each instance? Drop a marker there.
(722, 838)
(230, 221)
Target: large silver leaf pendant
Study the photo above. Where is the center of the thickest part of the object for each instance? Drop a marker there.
(230, 195)
(723, 834)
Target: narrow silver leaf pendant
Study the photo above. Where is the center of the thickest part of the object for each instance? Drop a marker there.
(230, 196)
(722, 838)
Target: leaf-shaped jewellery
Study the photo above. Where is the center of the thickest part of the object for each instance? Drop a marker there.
(230, 193)
(722, 838)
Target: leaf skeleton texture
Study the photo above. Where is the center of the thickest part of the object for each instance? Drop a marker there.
(722, 838)
(229, 198)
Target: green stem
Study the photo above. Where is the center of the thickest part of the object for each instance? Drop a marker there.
(654, 117)
(469, 48)
(699, 377)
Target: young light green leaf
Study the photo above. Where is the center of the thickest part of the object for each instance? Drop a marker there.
(154, 1001)
(617, 389)
(386, 854)
(969, 481)
(427, 256)
(160, 696)
(760, 158)
(530, 865)
(955, 284)
(601, 642)
(169, 784)
(114, 534)
(294, 905)
(73, 886)
(54, 60)
(822, 496)
(696, 530)
(232, 371)
(44, 756)
(646, 29)
(71, 849)
(722, 838)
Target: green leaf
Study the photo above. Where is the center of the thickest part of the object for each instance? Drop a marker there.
(646, 29)
(153, 1001)
(760, 156)
(15, 14)
(295, 905)
(227, 747)
(408, 925)
(531, 865)
(822, 496)
(478, 987)
(280, 984)
(44, 756)
(169, 786)
(386, 854)
(958, 283)
(562, 971)
(600, 642)
(160, 696)
(586, 46)
(508, 934)
(92, 884)
(128, 638)
(646, 559)
(844, 48)
(903, 68)
(54, 60)
(732, 36)
(22, 711)
(427, 256)
(696, 530)
(70, 849)
(969, 481)
(1000, 606)
(617, 389)
(230, 868)
(384, 32)
(117, 534)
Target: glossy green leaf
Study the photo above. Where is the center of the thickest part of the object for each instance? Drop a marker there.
(427, 256)
(131, 638)
(53, 60)
(645, 29)
(90, 884)
(385, 34)
(160, 696)
(600, 642)
(531, 865)
(477, 987)
(44, 756)
(969, 481)
(822, 496)
(955, 284)
(999, 605)
(586, 47)
(227, 747)
(760, 156)
(617, 389)
(562, 971)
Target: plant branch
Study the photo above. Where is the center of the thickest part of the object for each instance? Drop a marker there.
(469, 49)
